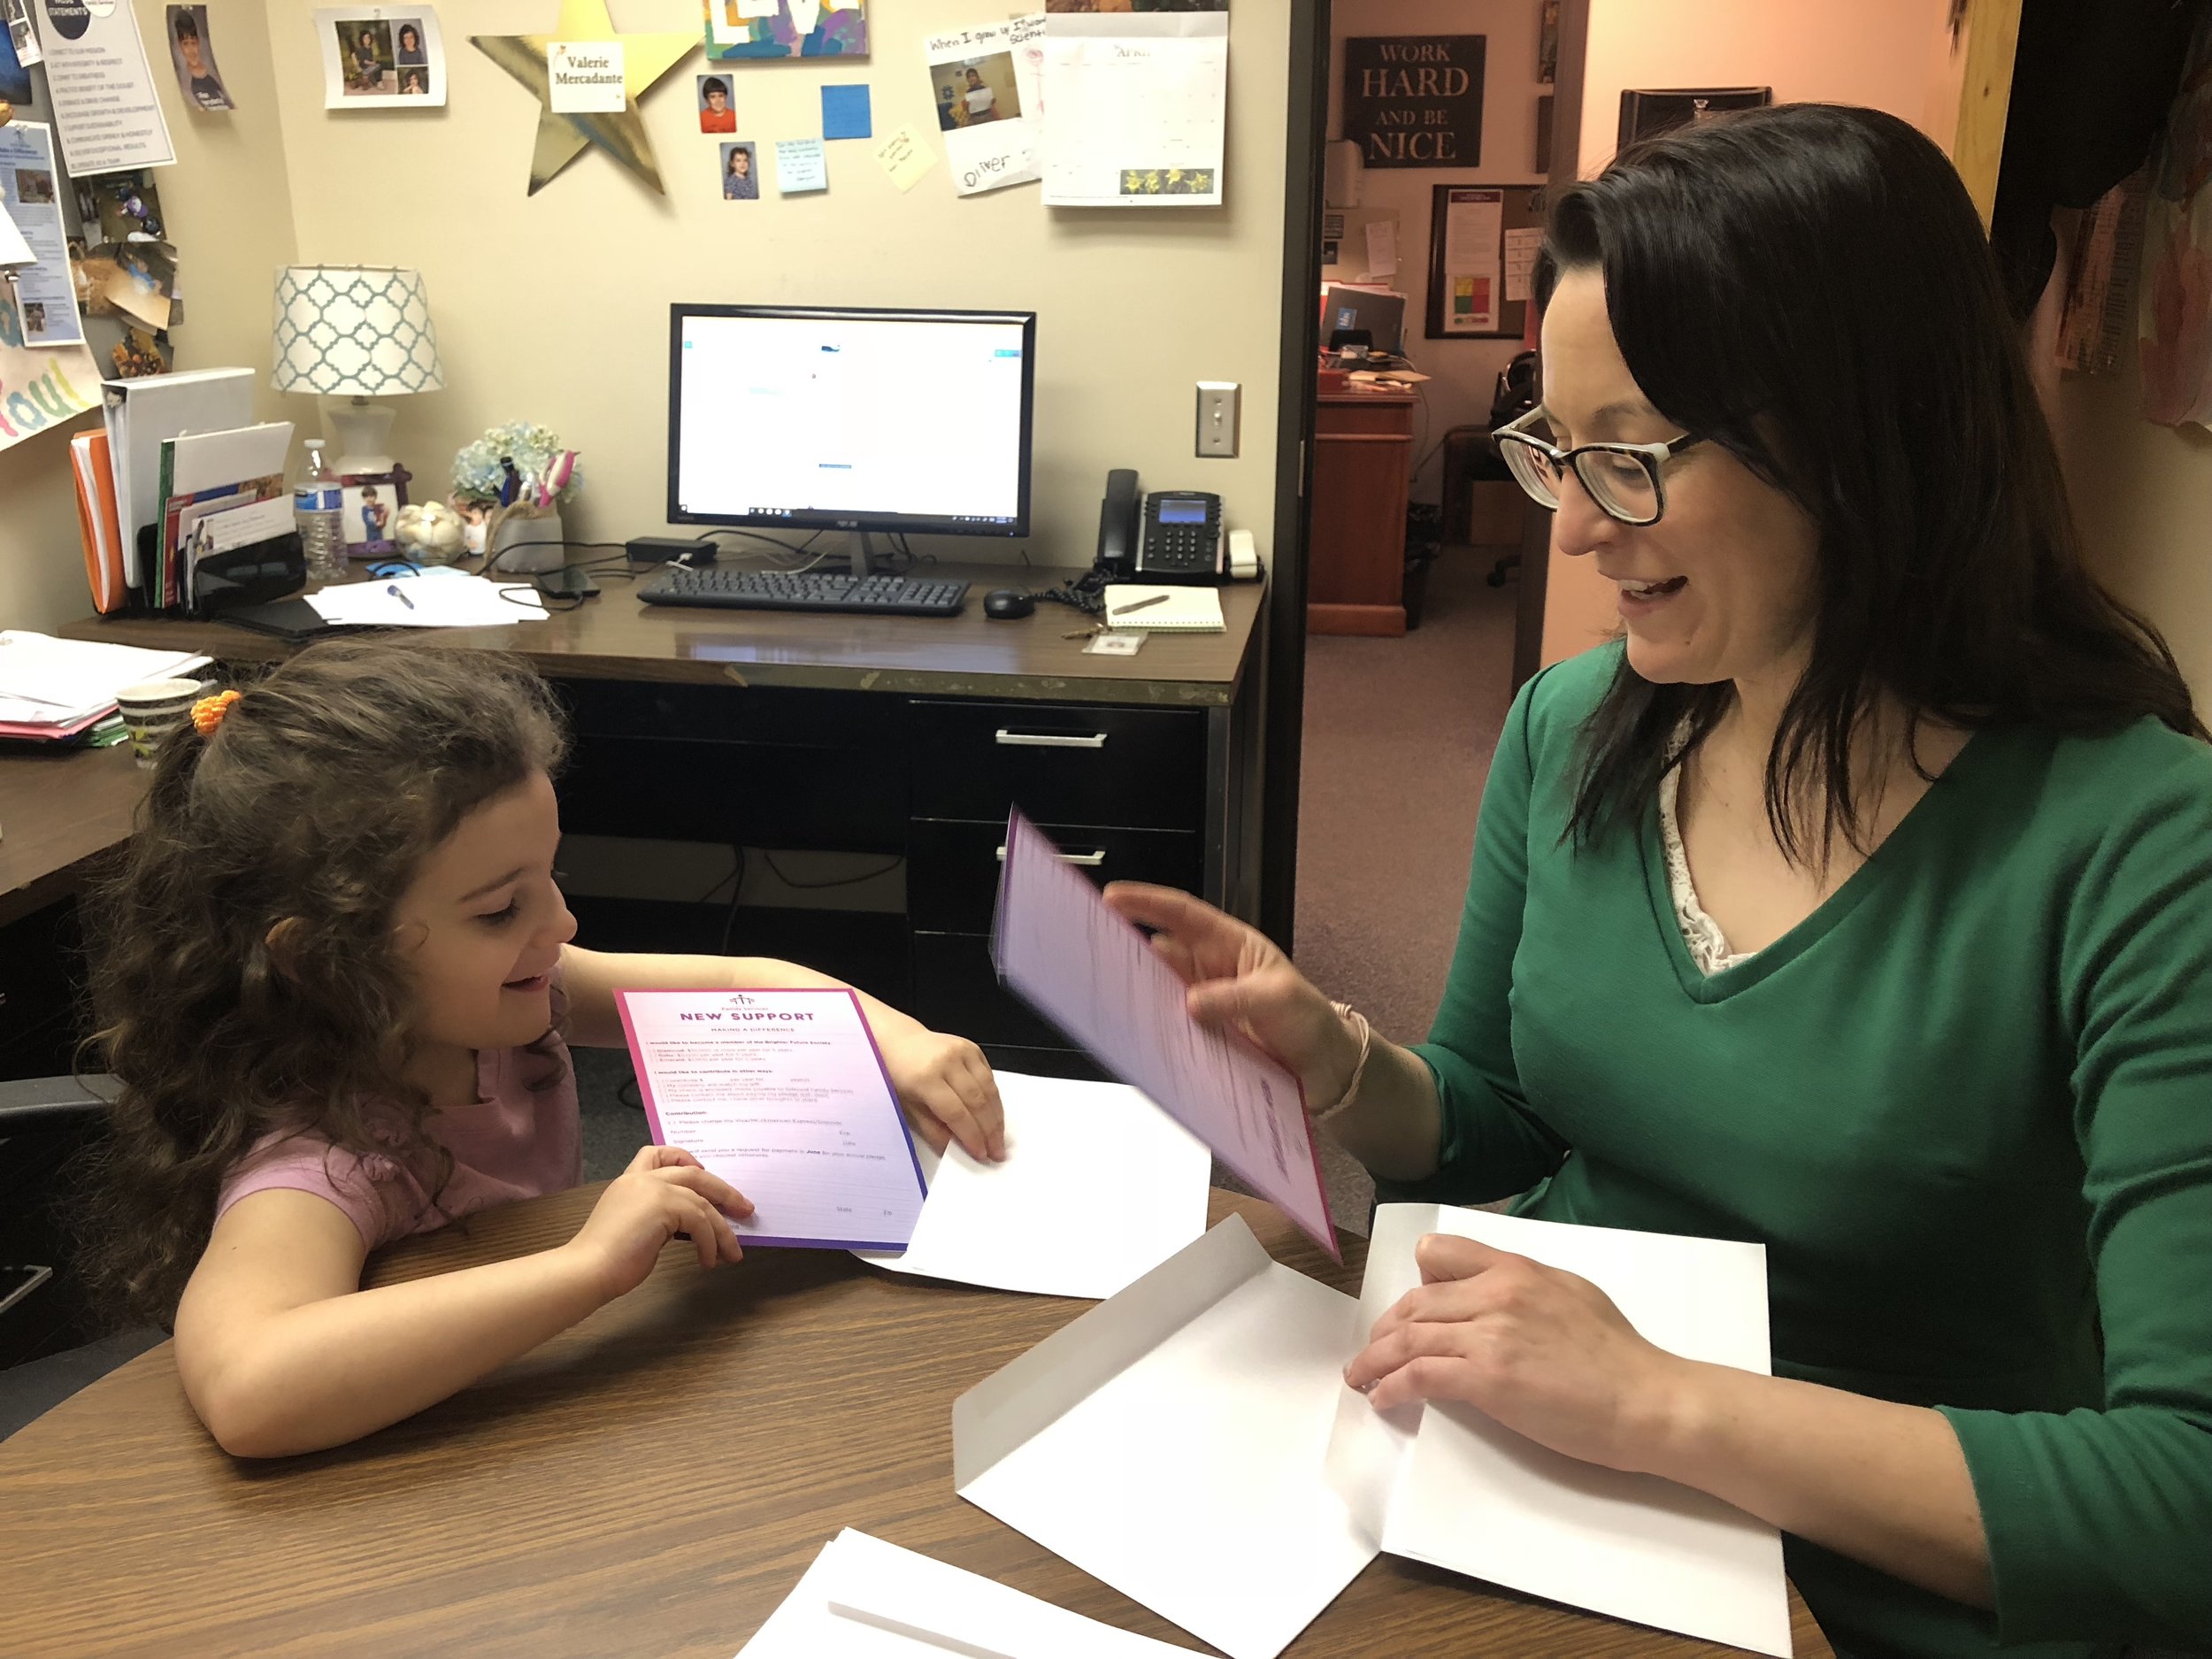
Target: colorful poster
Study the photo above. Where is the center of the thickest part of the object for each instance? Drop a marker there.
(41, 386)
(985, 82)
(1474, 222)
(740, 29)
(45, 292)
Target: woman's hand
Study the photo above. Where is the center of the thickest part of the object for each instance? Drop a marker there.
(663, 1193)
(947, 1088)
(1544, 1352)
(1240, 980)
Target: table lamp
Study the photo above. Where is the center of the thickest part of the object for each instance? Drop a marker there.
(356, 331)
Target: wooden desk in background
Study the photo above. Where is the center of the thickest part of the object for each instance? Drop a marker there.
(901, 736)
(653, 1482)
(1363, 468)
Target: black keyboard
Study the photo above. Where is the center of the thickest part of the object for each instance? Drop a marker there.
(783, 590)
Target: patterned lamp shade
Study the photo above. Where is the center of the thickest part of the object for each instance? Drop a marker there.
(355, 330)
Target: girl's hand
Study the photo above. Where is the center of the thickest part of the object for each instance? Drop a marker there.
(1542, 1351)
(663, 1193)
(1240, 980)
(948, 1090)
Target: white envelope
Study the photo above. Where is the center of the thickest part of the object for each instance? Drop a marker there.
(1170, 1442)
(1451, 1486)
(1098, 1188)
(864, 1599)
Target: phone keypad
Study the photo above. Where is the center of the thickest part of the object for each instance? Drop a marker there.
(1183, 549)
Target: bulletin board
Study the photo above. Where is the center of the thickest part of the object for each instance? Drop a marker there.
(1482, 243)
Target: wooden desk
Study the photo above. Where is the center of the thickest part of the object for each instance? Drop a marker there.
(58, 813)
(651, 1482)
(1363, 465)
(901, 736)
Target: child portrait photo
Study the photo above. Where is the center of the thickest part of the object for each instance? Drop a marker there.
(715, 113)
(974, 91)
(367, 506)
(741, 173)
(390, 57)
(192, 54)
(365, 50)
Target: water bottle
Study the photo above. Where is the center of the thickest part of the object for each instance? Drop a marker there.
(316, 502)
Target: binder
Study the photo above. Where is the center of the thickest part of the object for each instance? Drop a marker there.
(96, 520)
(141, 414)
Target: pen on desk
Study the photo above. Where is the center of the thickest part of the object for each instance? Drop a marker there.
(1156, 599)
(393, 590)
(916, 1633)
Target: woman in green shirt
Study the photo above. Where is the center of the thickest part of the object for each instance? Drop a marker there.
(1857, 902)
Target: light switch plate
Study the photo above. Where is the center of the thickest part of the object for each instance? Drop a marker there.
(1217, 405)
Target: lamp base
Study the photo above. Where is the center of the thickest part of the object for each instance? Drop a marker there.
(362, 432)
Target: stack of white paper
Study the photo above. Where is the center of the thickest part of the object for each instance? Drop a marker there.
(46, 682)
(1446, 1485)
(1171, 1442)
(1098, 1188)
(864, 1599)
(439, 598)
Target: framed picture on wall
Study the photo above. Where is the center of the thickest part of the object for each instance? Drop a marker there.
(1648, 114)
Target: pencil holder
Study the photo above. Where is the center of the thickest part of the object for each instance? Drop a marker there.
(521, 540)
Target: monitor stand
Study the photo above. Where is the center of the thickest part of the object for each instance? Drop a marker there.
(861, 552)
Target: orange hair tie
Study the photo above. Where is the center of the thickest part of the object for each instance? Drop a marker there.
(208, 712)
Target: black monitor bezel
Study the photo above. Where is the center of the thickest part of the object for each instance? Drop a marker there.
(915, 524)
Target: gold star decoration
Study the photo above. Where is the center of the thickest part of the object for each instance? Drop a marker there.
(561, 136)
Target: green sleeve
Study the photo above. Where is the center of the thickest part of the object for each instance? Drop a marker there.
(1493, 1146)
(2099, 1522)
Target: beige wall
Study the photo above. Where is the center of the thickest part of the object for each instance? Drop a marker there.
(2143, 498)
(554, 308)
(1464, 371)
(229, 210)
(1880, 53)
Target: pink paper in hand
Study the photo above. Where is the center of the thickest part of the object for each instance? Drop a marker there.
(1096, 977)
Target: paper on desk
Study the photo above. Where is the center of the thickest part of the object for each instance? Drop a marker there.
(1098, 1188)
(455, 601)
(1097, 978)
(208, 460)
(1170, 1442)
(1448, 1486)
(878, 1584)
(780, 1093)
(44, 680)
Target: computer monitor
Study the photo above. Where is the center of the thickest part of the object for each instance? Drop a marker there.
(808, 418)
(1382, 315)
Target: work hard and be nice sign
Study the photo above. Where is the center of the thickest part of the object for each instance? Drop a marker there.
(1415, 100)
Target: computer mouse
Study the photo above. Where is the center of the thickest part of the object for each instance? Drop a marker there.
(1006, 603)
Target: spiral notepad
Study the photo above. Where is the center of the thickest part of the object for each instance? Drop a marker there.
(1164, 609)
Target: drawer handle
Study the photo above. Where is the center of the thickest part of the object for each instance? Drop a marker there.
(1049, 739)
(1089, 861)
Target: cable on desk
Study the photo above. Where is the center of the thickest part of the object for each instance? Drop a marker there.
(836, 881)
(1084, 593)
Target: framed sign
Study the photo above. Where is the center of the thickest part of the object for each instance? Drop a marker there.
(1415, 100)
(1483, 239)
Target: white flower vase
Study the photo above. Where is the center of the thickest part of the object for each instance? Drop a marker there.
(522, 541)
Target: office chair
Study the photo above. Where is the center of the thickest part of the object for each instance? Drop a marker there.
(48, 1346)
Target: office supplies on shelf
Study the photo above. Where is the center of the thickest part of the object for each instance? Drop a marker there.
(780, 1093)
(863, 1598)
(1169, 1441)
(57, 688)
(144, 414)
(813, 590)
(1453, 1488)
(1164, 609)
(813, 418)
(97, 523)
(1099, 1187)
(1096, 977)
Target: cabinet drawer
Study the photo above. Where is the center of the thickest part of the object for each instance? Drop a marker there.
(956, 989)
(756, 795)
(953, 868)
(734, 714)
(1061, 763)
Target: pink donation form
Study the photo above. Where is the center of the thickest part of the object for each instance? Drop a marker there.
(782, 1094)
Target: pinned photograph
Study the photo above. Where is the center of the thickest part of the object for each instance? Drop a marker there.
(141, 285)
(192, 55)
(139, 355)
(740, 172)
(382, 58)
(15, 74)
(715, 113)
(22, 37)
(983, 85)
(121, 206)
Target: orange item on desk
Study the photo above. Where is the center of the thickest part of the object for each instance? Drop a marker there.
(97, 521)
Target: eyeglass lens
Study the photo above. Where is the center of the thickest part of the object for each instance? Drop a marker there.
(1622, 484)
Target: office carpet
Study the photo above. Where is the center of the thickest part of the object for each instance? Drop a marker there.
(1398, 737)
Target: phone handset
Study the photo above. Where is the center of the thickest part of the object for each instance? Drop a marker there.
(1121, 518)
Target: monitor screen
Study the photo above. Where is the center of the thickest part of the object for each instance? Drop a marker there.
(860, 420)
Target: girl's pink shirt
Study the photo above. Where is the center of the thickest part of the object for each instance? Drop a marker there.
(516, 1141)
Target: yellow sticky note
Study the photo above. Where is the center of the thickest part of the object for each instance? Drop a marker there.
(906, 156)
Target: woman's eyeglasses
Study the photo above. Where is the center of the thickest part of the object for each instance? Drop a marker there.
(1623, 479)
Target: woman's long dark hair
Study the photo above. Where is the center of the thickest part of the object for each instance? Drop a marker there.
(306, 815)
(1809, 286)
